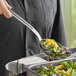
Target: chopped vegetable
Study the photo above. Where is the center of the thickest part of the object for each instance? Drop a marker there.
(60, 66)
(55, 50)
(64, 69)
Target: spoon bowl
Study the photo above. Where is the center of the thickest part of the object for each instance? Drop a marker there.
(51, 47)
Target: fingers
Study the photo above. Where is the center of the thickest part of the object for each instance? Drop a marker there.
(7, 5)
(5, 9)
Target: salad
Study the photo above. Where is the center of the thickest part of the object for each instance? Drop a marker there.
(55, 50)
(64, 69)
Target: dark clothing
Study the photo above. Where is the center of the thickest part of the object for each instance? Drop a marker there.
(46, 17)
(12, 37)
(17, 41)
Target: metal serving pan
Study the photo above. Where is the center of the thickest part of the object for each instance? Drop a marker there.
(32, 68)
(14, 68)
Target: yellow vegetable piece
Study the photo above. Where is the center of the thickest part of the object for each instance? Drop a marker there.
(55, 45)
(45, 75)
(74, 69)
(60, 71)
(48, 44)
(60, 66)
(51, 42)
(48, 40)
(68, 73)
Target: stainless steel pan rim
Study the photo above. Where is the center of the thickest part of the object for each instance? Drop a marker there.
(52, 62)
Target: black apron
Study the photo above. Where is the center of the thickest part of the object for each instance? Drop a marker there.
(17, 41)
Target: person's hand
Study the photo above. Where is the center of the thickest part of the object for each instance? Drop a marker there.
(4, 9)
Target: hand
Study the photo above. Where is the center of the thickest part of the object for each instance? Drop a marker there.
(4, 9)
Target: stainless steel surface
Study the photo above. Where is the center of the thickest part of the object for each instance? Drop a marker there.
(32, 68)
(26, 24)
(24, 64)
(15, 68)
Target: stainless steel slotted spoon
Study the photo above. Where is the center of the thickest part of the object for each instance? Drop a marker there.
(46, 50)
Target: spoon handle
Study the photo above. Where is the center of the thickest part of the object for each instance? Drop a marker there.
(26, 24)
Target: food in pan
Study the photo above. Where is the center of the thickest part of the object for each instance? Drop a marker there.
(54, 50)
(64, 69)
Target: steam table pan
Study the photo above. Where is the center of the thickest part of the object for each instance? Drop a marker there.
(17, 67)
(32, 68)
